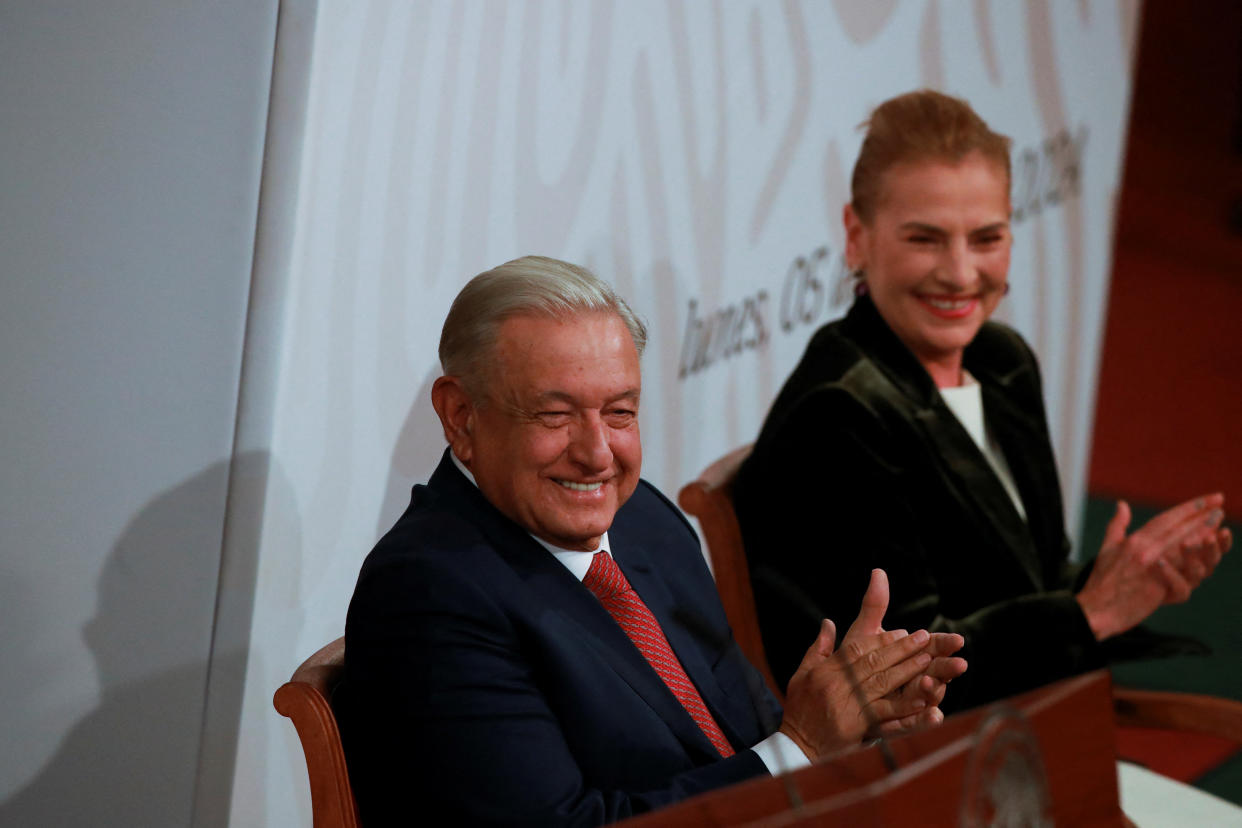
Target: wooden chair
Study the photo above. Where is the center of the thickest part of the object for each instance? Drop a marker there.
(304, 699)
(709, 498)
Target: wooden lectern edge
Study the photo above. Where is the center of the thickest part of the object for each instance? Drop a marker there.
(963, 744)
(1083, 792)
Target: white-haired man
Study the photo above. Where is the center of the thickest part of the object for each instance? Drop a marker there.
(538, 640)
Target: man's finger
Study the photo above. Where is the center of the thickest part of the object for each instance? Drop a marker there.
(946, 669)
(860, 646)
(826, 641)
(930, 690)
(870, 618)
(878, 652)
(906, 711)
(880, 681)
(894, 727)
(944, 644)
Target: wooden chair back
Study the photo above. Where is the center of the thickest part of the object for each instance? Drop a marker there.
(710, 499)
(304, 699)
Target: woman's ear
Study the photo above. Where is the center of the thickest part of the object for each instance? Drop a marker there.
(456, 412)
(855, 239)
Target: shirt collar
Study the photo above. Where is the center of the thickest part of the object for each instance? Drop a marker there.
(576, 562)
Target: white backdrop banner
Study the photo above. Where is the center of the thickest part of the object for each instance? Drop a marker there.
(694, 154)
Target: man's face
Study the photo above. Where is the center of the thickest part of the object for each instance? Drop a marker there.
(554, 444)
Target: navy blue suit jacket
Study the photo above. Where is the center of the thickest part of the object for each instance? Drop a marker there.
(485, 684)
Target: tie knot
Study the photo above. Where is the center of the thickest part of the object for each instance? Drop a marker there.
(604, 578)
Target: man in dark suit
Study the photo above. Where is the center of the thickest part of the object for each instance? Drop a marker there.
(502, 668)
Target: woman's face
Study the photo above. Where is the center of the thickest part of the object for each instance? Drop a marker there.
(936, 255)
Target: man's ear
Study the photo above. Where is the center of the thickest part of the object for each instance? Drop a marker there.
(855, 239)
(456, 412)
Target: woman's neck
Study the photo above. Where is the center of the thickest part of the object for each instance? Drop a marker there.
(946, 371)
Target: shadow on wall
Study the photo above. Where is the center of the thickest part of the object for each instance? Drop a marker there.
(416, 454)
(133, 760)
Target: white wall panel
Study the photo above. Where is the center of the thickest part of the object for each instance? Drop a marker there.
(129, 177)
(694, 154)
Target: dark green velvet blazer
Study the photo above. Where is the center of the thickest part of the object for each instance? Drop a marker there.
(861, 464)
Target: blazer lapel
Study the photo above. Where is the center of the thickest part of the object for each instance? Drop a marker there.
(910, 391)
(1034, 470)
(563, 594)
(979, 484)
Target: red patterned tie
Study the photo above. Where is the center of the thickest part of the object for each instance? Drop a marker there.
(610, 586)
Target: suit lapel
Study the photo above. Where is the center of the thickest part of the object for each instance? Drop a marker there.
(563, 594)
(635, 559)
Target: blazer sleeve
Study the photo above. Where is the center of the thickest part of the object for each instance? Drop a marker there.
(834, 493)
(450, 723)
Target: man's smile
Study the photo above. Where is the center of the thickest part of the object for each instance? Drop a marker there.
(581, 487)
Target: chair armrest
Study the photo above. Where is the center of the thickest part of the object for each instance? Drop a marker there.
(1179, 711)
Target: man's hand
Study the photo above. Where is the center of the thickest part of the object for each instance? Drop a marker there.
(931, 685)
(877, 682)
(1161, 563)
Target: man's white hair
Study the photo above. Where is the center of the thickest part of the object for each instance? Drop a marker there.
(531, 285)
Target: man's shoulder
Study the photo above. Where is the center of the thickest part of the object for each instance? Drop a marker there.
(430, 539)
(649, 503)
(650, 526)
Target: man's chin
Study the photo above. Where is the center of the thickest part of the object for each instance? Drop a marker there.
(580, 537)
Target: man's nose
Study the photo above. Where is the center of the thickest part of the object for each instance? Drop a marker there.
(588, 443)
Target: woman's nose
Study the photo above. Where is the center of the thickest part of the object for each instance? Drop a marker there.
(957, 270)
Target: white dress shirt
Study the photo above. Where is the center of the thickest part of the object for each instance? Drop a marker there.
(966, 403)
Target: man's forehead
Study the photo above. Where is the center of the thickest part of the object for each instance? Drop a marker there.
(567, 396)
(549, 340)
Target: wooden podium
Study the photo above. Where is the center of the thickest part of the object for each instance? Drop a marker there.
(1045, 757)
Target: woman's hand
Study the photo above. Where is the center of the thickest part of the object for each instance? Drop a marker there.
(1161, 563)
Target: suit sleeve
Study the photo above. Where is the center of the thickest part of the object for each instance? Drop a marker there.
(833, 494)
(450, 725)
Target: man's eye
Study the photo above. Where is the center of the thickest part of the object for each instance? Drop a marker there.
(553, 417)
(621, 416)
(921, 239)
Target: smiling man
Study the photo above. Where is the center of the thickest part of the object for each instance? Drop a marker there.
(538, 640)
